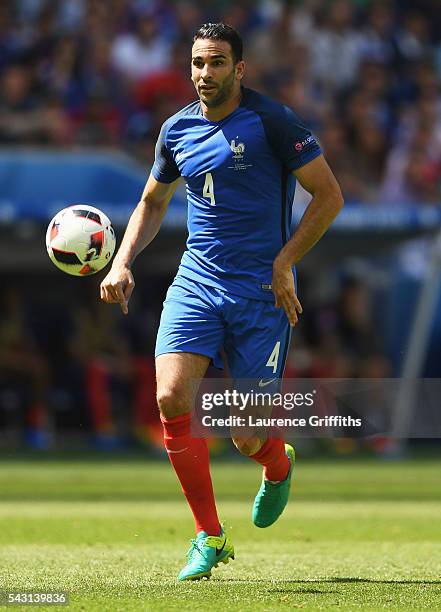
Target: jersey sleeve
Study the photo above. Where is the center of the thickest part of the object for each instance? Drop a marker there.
(290, 140)
(164, 168)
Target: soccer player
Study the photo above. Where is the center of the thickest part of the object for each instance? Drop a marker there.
(240, 154)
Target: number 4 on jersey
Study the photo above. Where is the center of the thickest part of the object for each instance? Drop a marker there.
(274, 357)
(208, 191)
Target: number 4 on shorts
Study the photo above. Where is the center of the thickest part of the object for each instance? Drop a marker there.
(274, 357)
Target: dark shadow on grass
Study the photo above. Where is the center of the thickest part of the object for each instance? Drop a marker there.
(352, 580)
(338, 580)
(302, 591)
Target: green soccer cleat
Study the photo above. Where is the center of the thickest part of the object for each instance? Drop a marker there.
(205, 553)
(271, 499)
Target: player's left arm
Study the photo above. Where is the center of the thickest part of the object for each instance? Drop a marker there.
(327, 201)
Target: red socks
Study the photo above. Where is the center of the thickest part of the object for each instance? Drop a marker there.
(190, 459)
(273, 458)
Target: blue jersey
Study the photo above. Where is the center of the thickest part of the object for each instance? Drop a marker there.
(240, 188)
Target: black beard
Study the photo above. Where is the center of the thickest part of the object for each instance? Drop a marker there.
(223, 93)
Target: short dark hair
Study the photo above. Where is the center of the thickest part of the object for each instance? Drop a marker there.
(222, 31)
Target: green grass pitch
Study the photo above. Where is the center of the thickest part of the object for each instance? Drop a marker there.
(357, 535)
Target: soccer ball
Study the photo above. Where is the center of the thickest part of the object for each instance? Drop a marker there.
(80, 240)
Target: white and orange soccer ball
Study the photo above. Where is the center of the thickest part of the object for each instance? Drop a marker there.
(80, 240)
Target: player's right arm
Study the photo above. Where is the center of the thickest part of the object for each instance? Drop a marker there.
(143, 225)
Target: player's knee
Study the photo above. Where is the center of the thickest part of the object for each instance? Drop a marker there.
(248, 446)
(172, 402)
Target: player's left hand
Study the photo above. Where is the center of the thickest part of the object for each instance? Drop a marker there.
(284, 291)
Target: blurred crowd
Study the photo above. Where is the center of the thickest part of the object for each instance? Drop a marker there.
(364, 75)
(78, 367)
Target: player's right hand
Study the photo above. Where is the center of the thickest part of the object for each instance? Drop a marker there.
(117, 287)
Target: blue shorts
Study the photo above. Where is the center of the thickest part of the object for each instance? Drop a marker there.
(253, 334)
